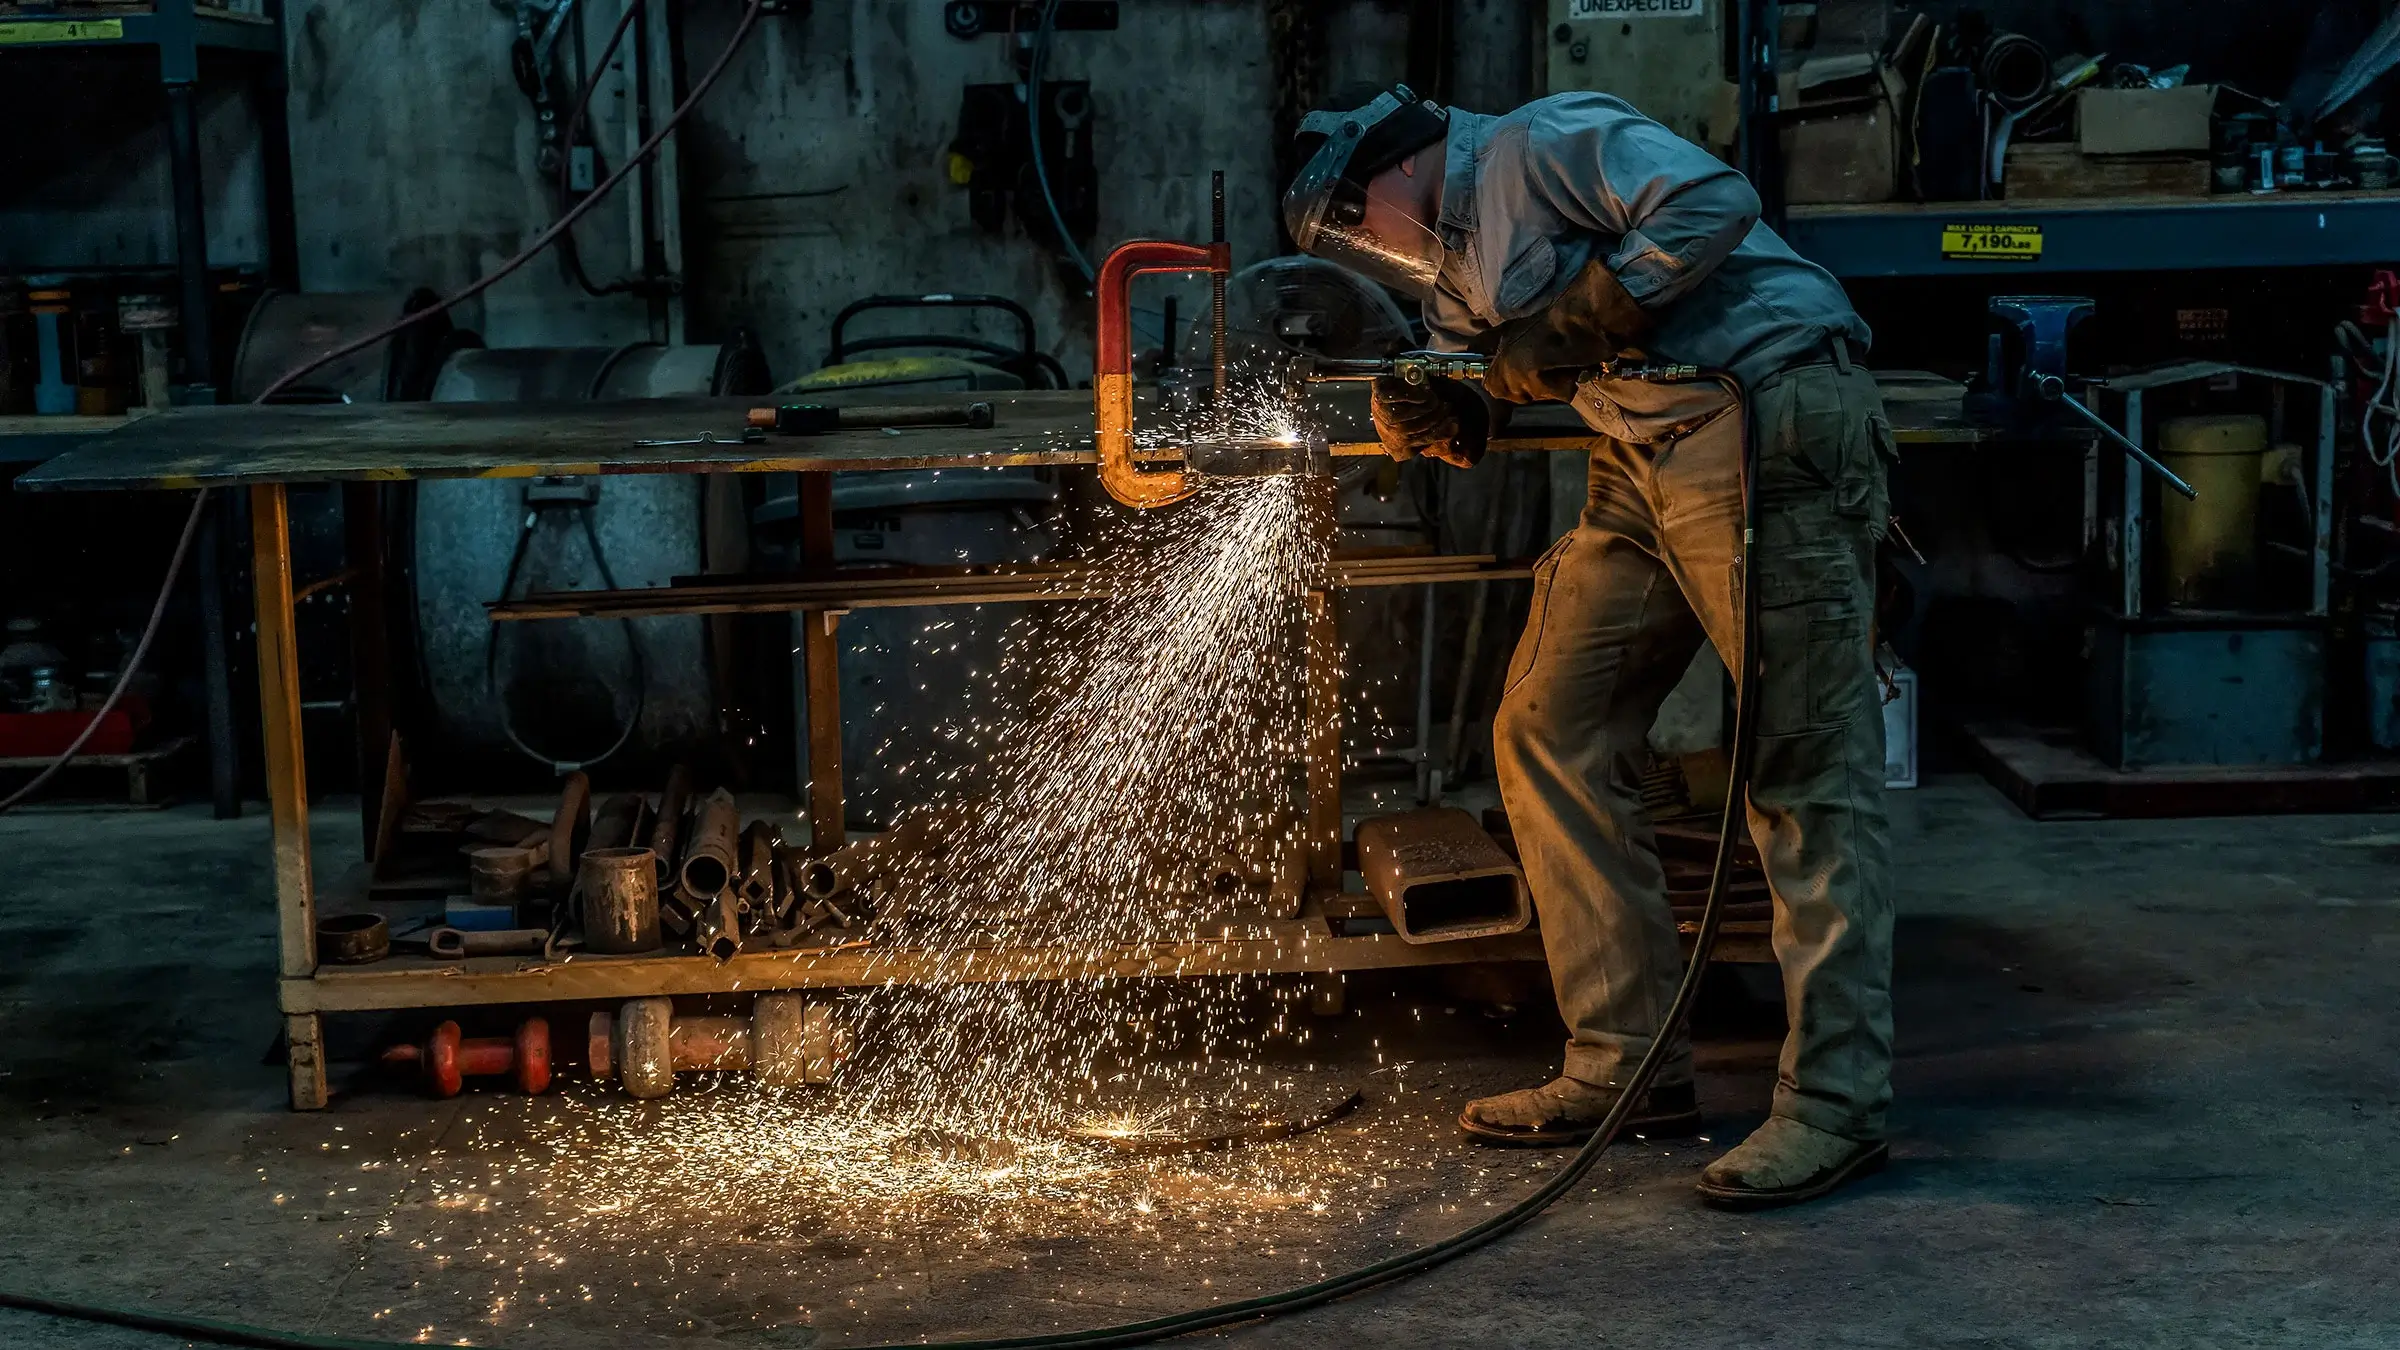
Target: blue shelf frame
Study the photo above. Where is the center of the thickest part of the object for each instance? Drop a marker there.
(2295, 229)
(178, 29)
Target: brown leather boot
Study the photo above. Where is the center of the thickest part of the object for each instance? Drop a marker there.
(1784, 1162)
(1566, 1111)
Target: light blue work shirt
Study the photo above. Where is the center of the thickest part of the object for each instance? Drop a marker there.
(1531, 196)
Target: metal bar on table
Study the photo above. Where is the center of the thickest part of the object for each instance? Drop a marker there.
(287, 777)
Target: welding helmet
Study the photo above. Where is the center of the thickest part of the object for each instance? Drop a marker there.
(1330, 209)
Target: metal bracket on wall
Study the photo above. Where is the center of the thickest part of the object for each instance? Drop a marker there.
(974, 18)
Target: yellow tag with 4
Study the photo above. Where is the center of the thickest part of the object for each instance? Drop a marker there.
(61, 30)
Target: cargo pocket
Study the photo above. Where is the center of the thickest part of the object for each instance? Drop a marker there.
(1813, 634)
(1529, 643)
(1869, 474)
(1826, 446)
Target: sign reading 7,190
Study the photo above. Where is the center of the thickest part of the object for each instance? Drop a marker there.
(1992, 243)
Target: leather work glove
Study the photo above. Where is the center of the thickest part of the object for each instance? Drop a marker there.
(1442, 420)
(1540, 356)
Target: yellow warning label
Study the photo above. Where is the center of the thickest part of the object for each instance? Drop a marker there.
(61, 30)
(1977, 243)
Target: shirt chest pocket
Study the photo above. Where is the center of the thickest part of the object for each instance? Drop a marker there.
(1526, 279)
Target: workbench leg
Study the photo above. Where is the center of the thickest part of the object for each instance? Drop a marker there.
(216, 668)
(821, 671)
(1324, 742)
(370, 651)
(304, 1048)
(287, 779)
(821, 667)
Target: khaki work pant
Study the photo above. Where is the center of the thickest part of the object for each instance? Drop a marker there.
(1620, 606)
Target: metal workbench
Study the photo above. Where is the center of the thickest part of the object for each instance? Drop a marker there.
(261, 450)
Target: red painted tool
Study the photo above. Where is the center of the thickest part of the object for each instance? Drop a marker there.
(448, 1059)
(1112, 367)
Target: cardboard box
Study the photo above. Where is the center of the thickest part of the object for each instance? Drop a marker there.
(1845, 157)
(2145, 121)
(1849, 149)
(2047, 171)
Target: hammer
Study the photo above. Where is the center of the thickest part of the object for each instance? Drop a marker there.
(818, 419)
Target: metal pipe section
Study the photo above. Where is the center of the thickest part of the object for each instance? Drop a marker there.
(721, 925)
(620, 820)
(1440, 878)
(864, 861)
(570, 828)
(758, 867)
(709, 864)
(666, 834)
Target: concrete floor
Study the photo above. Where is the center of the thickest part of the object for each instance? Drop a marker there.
(2148, 1096)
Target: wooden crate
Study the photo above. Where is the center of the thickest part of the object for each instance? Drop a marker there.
(2044, 171)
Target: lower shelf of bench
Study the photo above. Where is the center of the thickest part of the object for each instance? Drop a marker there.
(1294, 946)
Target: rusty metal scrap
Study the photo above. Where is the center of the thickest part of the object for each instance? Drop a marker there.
(456, 944)
(621, 821)
(855, 865)
(1440, 877)
(666, 835)
(570, 827)
(788, 1040)
(618, 888)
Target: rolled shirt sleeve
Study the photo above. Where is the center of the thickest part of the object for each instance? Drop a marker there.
(1676, 211)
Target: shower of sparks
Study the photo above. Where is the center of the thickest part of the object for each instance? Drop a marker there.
(1127, 772)
(1148, 791)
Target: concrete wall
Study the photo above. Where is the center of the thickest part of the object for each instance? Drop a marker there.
(816, 172)
(91, 189)
(413, 164)
(851, 110)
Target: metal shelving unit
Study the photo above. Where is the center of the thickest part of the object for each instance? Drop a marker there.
(178, 32)
(2134, 234)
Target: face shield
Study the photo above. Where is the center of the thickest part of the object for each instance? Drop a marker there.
(1350, 206)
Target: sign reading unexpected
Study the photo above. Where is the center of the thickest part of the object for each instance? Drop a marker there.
(1580, 10)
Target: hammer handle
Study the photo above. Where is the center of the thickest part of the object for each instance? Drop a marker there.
(816, 419)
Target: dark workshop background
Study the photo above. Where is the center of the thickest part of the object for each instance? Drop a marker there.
(820, 171)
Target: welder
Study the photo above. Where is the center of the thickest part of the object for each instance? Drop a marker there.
(1559, 238)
